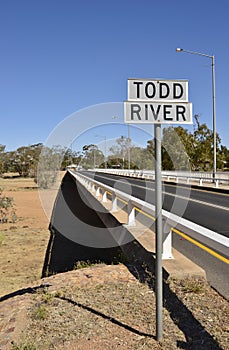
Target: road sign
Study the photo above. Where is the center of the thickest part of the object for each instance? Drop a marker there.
(157, 112)
(157, 90)
(157, 102)
(154, 101)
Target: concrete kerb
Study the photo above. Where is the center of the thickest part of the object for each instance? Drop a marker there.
(207, 187)
(190, 183)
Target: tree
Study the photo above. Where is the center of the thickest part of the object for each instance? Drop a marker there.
(175, 148)
(24, 160)
(203, 140)
(49, 165)
(183, 150)
(223, 158)
(140, 158)
(71, 157)
(121, 148)
(151, 146)
(92, 157)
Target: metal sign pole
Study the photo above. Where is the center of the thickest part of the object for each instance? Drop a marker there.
(153, 101)
(158, 223)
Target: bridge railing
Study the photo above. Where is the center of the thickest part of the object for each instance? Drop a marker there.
(201, 178)
(171, 222)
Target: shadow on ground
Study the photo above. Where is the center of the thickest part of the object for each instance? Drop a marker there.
(77, 233)
(64, 251)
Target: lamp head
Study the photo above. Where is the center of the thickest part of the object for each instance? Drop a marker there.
(178, 49)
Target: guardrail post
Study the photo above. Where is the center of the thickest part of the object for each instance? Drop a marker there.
(104, 197)
(167, 241)
(201, 182)
(97, 194)
(131, 214)
(114, 207)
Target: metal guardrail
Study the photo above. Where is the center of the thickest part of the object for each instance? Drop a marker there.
(172, 222)
(183, 177)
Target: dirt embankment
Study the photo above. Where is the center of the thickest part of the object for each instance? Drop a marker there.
(23, 243)
(96, 307)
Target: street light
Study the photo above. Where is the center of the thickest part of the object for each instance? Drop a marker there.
(178, 49)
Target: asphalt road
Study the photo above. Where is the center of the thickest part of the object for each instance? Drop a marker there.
(206, 208)
(209, 209)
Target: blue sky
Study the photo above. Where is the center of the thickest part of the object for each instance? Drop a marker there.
(58, 57)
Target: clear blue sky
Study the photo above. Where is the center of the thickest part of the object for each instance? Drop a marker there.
(58, 57)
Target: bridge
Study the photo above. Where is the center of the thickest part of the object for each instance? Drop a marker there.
(201, 235)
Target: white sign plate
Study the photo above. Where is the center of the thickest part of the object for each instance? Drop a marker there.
(142, 112)
(157, 90)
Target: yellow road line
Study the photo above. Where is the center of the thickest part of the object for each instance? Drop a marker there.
(208, 250)
(142, 212)
(199, 189)
(121, 200)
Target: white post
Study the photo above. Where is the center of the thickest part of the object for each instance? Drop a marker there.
(114, 208)
(104, 198)
(167, 241)
(97, 192)
(131, 214)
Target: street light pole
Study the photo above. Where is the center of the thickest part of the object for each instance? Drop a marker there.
(105, 150)
(94, 157)
(214, 118)
(128, 136)
(213, 103)
(105, 138)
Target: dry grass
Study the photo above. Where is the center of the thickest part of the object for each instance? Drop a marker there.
(14, 183)
(22, 244)
(119, 315)
(101, 316)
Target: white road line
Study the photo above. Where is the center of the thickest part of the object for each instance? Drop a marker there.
(177, 196)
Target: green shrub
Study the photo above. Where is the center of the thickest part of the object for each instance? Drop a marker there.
(24, 346)
(7, 209)
(41, 313)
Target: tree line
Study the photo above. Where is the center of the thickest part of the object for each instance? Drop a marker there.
(181, 149)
